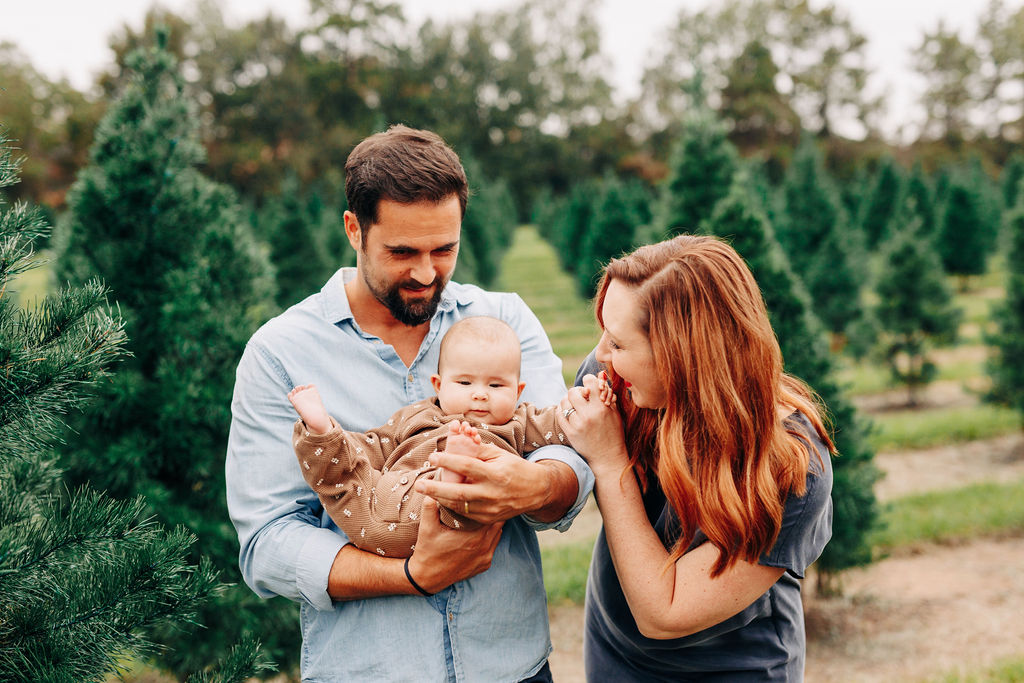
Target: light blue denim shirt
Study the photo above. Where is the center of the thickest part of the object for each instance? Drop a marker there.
(492, 627)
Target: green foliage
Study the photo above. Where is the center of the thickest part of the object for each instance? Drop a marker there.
(1007, 365)
(915, 310)
(294, 228)
(191, 283)
(1011, 179)
(574, 224)
(815, 236)
(701, 171)
(738, 220)
(963, 242)
(486, 228)
(884, 199)
(921, 197)
(612, 232)
(83, 576)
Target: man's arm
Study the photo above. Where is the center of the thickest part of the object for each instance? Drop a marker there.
(442, 557)
(284, 549)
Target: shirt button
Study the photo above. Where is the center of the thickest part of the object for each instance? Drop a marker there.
(450, 616)
(404, 480)
(409, 377)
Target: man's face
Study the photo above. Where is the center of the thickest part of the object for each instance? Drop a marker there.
(407, 257)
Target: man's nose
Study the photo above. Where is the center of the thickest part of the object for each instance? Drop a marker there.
(423, 270)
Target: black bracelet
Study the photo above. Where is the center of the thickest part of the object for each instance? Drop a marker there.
(414, 584)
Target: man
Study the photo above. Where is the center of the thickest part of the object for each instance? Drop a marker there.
(467, 605)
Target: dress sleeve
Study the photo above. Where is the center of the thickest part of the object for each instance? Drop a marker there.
(806, 519)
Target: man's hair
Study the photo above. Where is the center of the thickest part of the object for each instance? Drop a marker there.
(404, 165)
(479, 329)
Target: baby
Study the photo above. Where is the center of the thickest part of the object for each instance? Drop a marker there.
(365, 480)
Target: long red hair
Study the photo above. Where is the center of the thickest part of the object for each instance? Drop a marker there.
(719, 448)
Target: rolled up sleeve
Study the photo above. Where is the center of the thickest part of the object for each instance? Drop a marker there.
(283, 548)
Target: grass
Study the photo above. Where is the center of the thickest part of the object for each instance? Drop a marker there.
(986, 509)
(873, 377)
(565, 571)
(531, 269)
(914, 429)
(1007, 671)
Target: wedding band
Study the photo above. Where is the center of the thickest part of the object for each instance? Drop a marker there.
(567, 412)
(465, 507)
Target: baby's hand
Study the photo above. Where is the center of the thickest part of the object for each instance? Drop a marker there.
(604, 392)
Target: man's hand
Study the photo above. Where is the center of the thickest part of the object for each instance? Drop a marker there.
(445, 556)
(501, 485)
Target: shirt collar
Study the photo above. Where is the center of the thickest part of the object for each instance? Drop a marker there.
(336, 309)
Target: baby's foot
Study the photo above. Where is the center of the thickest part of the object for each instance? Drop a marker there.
(463, 439)
(307, 403)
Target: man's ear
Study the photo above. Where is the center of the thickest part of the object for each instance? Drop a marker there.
(435, 381)
(353, 231)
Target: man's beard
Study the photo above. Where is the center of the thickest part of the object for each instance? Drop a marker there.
(411, 313)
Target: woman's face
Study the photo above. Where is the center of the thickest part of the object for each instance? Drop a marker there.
(626, 349)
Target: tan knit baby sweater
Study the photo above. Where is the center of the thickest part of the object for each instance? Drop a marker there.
(365, 480)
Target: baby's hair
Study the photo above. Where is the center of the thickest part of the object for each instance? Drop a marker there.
(479, 329)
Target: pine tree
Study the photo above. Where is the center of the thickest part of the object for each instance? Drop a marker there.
(814, 234)
(486, 228)
(1010, 180)
(920, 192)
(287, 223)
(574, 224)
(962, 240)
(192, 285)
(612, 232)
(915, 310)
(1007, 366)
(738, 220)
(884, 198)
(83, 576)
(701, 170)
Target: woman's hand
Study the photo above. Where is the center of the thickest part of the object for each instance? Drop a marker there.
(594, 426)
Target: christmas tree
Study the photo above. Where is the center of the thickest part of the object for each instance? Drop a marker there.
(611, 233)
(192, 285)
(739, 220)
(701, 170)
(83, 576)
(915, 309)
(1007, 366)
(884, 199)
(814, 233)
(963, 240)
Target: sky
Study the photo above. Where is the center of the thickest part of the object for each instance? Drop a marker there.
(69, 37)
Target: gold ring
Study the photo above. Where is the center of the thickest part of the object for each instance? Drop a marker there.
(465, 507)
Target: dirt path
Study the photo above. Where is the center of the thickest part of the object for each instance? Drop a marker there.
(906, 618)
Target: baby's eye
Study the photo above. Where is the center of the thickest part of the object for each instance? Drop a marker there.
(463, 382)
(496, 385)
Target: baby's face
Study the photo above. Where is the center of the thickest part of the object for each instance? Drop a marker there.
(480, 382)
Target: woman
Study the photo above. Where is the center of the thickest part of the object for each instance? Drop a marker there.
(713, 474)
